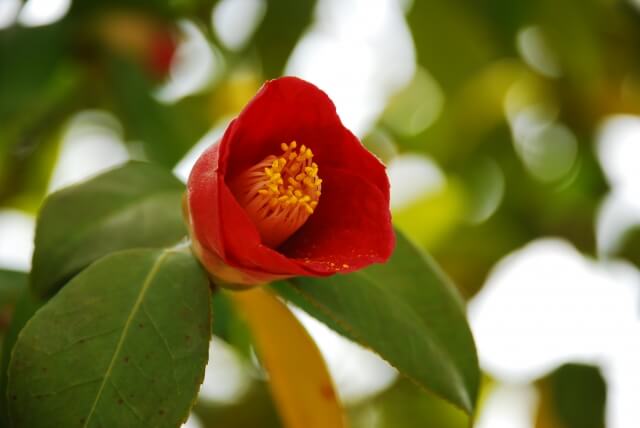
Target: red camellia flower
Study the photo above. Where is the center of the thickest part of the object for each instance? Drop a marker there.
(288, 191)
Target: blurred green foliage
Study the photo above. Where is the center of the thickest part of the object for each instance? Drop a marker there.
(403, 406)
(572, 396)
(255, 408)
(631, 245)
(12, 284)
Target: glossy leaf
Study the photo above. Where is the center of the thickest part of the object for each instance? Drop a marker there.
(124, 344)
(405, 310)
(302, 388)
(137, 205)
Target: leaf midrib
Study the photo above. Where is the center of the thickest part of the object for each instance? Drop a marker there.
(134, 310)
(435, 338)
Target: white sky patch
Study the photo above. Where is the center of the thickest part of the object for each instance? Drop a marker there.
(43, 12)
(91, 144)
(618, 149)
(546, 305)
(359, 52)
(549, 293)
(412, 176)
(235, 21)
(17, 230)
(623, 384)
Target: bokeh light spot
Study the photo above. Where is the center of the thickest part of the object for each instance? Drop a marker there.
(549, 152)
(196, 66)
(43, 12)
(412, 176)
(417, 106)
(536, 52)
(235, 21)
(17, 230)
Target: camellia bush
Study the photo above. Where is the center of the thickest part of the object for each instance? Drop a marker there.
(287, 208)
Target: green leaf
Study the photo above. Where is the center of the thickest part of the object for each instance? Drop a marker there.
(405, 310)
(134, 206)
(124, 344)
(26, 306)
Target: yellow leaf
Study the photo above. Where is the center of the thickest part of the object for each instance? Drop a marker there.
(298, 376)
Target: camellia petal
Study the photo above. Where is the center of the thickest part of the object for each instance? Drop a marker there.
(357, 214)
(288, 191)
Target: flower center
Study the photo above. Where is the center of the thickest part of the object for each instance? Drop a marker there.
(280, 193)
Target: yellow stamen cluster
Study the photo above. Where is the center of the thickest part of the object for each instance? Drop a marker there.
(280, 193)
(302, 185)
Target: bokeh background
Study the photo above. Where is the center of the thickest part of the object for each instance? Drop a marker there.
(511, 131)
